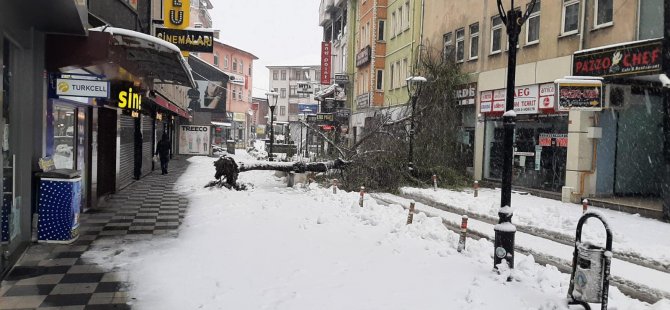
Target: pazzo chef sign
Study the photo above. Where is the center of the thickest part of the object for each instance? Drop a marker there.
(525, 100)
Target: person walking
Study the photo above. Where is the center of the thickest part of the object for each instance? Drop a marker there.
(163, 152)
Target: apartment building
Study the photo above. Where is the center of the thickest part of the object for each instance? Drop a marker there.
(575, 153)
(296, 86)
(401, 32)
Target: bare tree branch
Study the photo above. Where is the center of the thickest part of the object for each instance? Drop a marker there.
(338, 148)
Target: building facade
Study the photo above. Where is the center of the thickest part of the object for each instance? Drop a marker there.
(575, 153)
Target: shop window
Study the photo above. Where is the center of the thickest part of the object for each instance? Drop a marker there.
(64, 137)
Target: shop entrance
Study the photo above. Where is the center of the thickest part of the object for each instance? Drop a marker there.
(639, 147)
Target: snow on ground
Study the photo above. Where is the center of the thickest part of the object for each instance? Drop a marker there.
(631, 233)
(273, 247)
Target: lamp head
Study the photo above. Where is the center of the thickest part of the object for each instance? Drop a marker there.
(272, 98)
(414, 84)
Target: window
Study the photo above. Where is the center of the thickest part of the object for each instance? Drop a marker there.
(398, 74)
(405, 19)
(225, 62)
(394, 22)
(570, 20)
(283, 75)
(474, 41)
(533, 25)
(460, 45)
(250, 70)
(603, 13)
(448, 46)
(234, 93)
(380, 80)
(282, 109)
(391, 77)
(380, 30)
(496, 34)
(283, 93)
(293, 91)
(401, 20)
(241, 66)
(235, 64)
(275, 75)
(216, 59)
(651, 20)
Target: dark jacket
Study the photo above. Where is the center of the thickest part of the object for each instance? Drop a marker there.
(163, 148)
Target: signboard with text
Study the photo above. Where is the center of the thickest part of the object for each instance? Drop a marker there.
(466, 93)
(194, 140)
(82, 88)
(485, 101)
(188, 40)
(325, 62)
(364, 56)
(640, 58)
(580, 96)
(547, 96)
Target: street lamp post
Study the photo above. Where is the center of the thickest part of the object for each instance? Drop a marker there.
(272, 103)
(505, 230)
(414, 84)
(304, 114)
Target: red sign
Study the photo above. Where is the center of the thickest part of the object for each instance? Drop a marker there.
(325, 63)
(485, 101)
(547, 96)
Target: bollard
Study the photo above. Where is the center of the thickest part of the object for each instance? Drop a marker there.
(435, 182)
(410, 216)
(585, 205)
(476, 187)
(334, 186)
(290, 179)
(464, 233)
(360, 201)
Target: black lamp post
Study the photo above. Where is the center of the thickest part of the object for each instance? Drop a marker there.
(304, 113)
(272, 103)
(414, 84)
(505, 230)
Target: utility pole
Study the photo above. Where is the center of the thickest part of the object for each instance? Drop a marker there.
(505, 230)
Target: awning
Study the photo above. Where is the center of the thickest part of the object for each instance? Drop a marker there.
(165, 103)
(53, 16)
(335, 90)
(149, 57)
(221, 124)
(205, 71)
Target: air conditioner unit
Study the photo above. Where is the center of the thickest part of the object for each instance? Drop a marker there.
(617, 96)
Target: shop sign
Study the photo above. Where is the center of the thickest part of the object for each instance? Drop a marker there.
(159, 116)
(465, 94)
(188, 40)
(325, 117)
(176, 13)
(553, 139)
(525, 99)
(527, 154)
(341, 79)
(547, 96)
(325, 62)
(82, 88)
(485, 101)
(499, 104)
(580, 96)
(236, 79)
(194, 140)
(239, 117)
(129, 99)
(363, 101)
(641, 58)
(364, 56)
(260, 129)
(304, 88)
(311, 118)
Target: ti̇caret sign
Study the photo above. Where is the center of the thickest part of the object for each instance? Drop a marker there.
(188, 40)
(639, 58)
(82, 88)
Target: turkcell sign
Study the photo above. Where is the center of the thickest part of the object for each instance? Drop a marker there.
(82, 88)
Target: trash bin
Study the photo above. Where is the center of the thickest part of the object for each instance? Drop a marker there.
(59, 205)
(230, 146)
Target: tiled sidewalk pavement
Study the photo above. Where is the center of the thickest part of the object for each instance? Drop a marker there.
(52, 276)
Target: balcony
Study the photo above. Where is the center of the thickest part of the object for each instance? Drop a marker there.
(324, 15)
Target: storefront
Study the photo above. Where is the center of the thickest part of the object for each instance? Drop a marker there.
(540, 137)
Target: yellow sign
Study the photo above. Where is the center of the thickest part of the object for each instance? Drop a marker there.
(239, 117)
(130, 100)
(176, 13)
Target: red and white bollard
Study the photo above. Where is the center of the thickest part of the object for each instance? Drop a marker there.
(360, 201)
(464, 233)
(585, 205)
(334, 186)
(410, 216)
(435, 182)
(476, 187)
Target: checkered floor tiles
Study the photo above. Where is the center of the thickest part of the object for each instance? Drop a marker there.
(51, 276)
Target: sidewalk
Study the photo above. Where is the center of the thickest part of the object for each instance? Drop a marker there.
(51, 276)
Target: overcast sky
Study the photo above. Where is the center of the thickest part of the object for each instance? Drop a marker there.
(278, 32)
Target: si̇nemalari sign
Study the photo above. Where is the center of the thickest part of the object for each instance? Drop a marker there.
(188, 40)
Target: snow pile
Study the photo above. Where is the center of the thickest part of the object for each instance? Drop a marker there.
(274, 247)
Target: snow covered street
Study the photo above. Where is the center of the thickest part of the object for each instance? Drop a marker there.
(273, 247)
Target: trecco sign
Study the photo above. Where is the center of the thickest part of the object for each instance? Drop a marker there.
(82, 88)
